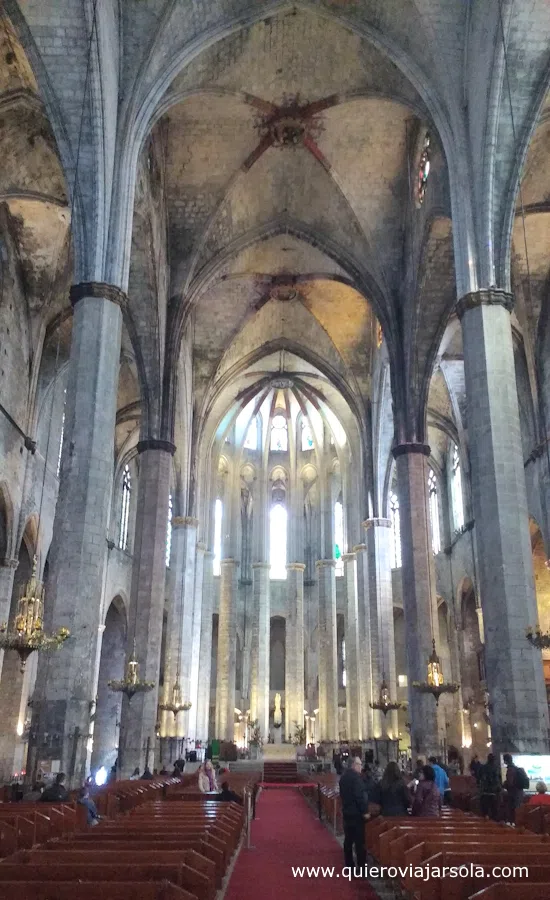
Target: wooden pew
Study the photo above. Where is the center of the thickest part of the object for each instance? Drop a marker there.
(395, 844)
(417, 854)
(512, 891)
(452, 888)
(179, 874)
(91, 890)
(8, 840)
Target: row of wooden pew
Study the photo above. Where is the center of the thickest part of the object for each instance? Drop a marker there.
(460, 839)
(170, 845)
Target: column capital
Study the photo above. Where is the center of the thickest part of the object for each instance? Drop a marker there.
(229, 562)
(488, 297)
(359, 548)
(8, 563)
(261, 565)
(296, 567)
(156, 444)
(404, 449)
(376, 523)
(100, 290)
(321, 563)
(349, 557)
(184, 521)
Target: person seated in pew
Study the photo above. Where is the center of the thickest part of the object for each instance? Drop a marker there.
(135, 775)
(226, 795)
(35, 794)
(56, 792)
(147, 774)
(541, 798)
(427, 799)
(84, 799)
(391, 793)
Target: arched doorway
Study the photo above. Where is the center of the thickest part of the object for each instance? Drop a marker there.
(542, 590)
(475, 726)
(14, 684)
(108, 705)
(277, 658)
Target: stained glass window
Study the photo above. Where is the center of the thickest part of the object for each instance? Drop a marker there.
(456, 491)
(125, 509)
(307, 436)
(169, 531)
(395, 531)
(218, 513)
(434, 511)
(339, 537)
(251, 440)
(279, 433)
(62, 435)
(277, 540)
(423, 169)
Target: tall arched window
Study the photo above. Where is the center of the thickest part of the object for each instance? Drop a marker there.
(344, 674)
(395, 532)
(456, 491)
(277, 540)
(125, 509)
(251, 439)
(218, 515)
(423, 169)
(339, 537)
(62, 435)
(307, 436)
(434, 511)
(279, 433)
(169, 531)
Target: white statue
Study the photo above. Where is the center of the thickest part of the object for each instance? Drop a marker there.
(277, 716)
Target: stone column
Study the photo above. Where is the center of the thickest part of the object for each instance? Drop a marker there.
(353, 682)
(378, 536)
(139, 717)
(364, 640)
(327, 654)
(196, 640)
(227, 625)
(519, 717)
(7, 574)
(180, 619)
(65, 682)
(294, 673)
(259, 680)
(419, 598)
(203, 694)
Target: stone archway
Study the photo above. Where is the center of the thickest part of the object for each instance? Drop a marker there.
(108, 704)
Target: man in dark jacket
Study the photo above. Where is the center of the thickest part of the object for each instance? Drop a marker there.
(56, 792)
(355, 806)
(226, 795)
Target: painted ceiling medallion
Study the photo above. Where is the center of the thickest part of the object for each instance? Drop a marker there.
(282, 383)
(291, 125)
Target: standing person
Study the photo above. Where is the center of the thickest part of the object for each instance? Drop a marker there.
(204, 782)
(490, 787)
(355, 812)
(211, 775)
(391, 793)
(516, 783)
(427, 799)
(441, 777)
(475, 767)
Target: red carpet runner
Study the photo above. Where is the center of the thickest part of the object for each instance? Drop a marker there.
(287, 833)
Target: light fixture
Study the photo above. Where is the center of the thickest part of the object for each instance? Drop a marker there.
(27, 633)
(384, 703)
(434, 684)
(176, 704)
(131, 683)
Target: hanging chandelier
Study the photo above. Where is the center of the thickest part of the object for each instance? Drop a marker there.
(538, 638)
(434, 684)
(176, 705)
(384, 703)
(27, 633)
(131, 683)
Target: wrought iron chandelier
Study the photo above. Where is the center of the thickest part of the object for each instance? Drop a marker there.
(434, 684)
(384, 703)
(27, 634)
(131, 684)
(176, 704)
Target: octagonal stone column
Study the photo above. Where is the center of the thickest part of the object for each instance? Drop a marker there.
(227, 625)
(353, 681)
(515, 681)
(294, 674)
(419, 597)
(7, 575)
(138, 717)
(364, 638)
(327, 651)
(259, 674)
(205, 670)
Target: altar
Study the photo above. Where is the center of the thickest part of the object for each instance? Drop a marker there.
(279, 753)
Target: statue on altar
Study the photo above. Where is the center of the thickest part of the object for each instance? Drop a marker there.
(277, 715)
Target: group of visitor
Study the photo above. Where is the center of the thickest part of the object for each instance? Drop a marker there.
(208, 784)
(493, 792)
